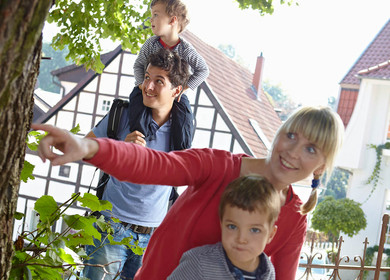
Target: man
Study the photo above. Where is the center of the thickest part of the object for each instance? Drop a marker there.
(139, 209)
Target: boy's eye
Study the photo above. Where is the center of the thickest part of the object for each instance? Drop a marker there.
(146, 78)
(255, 230)
(230, 226)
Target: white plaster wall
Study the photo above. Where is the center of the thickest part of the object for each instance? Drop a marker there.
(368, 125)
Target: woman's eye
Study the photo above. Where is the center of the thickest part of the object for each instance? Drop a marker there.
(146, 78)
(311, 150)
(230, 226)
(159, 82)
(255, 230)
(290, 135)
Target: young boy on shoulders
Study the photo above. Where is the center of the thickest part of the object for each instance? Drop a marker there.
(248, 210)
(169, 19)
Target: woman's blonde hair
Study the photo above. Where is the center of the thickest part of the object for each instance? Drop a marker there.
(322, 127)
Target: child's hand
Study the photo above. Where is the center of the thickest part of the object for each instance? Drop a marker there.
(136, 137)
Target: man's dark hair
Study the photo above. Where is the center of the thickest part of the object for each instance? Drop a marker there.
(170, 61)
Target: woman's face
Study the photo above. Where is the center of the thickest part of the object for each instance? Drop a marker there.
(294, 158)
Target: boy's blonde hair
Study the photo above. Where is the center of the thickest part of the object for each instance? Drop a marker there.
(175, 8)
(251, 193)
(322, 127)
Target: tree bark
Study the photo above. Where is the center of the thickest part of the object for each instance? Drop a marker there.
(21, 23)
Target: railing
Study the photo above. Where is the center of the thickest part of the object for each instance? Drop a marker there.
(310, 257)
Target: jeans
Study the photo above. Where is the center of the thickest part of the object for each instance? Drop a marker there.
(122, 260)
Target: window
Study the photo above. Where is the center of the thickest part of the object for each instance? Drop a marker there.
(106, 105)
(64, 171)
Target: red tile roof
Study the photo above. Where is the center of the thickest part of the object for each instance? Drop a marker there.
(232, 84)
(347, 103)
(377, 52)
(373, 63)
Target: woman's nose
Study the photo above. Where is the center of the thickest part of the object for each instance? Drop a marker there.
(294, 151)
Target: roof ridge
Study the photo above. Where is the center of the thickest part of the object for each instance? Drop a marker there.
(376, 67)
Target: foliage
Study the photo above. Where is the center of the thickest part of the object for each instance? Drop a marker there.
(332, 216)
(228, 50)
(85, 23)
(336, 185)
(374, 177)
(263, 6)
(370, 257)
(57, 60)
(280, 100)
(44, 254)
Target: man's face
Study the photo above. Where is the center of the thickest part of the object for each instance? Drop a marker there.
(157, 90)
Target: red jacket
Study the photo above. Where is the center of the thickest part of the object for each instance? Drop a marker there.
(193, 219)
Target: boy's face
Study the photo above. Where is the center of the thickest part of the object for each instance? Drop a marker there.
(160, 20)
(157, 91)
(245, 235)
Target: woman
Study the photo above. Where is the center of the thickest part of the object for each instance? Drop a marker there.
(305, 144)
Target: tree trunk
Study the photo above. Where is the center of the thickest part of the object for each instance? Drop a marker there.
(21, 23)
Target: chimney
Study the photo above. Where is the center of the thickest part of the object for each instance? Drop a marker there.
(257, 77)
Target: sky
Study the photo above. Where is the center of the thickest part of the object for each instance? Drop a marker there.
(308, 49)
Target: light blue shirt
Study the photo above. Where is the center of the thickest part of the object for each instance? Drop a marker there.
(144, 205)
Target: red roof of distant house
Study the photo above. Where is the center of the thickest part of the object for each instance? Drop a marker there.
(373, 63)
(377, 52)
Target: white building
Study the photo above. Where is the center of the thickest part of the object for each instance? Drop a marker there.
(364, 106)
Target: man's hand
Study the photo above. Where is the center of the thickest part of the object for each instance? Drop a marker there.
(74, 148)
(136, 137)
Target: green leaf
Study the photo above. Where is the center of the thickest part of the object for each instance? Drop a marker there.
(27, 171)
(18, 215)
(46, 208)
(82, 223)
(92, 202)
(76, 129)
(65, 256)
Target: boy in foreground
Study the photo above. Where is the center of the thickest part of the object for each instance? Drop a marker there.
(248, 210)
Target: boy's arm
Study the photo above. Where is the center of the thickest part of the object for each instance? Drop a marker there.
(141, 61)
(198, 66)
(189, 268)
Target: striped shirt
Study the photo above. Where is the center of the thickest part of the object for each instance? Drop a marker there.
(209, 262)
(186, 51)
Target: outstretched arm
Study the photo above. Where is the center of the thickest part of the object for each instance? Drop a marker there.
(74, 148)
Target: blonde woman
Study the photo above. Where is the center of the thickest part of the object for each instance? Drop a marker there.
(305, 144)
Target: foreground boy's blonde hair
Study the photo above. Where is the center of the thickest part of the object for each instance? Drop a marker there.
(251, 193)
(322, 127)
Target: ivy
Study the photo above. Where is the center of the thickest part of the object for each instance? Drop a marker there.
(374, 177)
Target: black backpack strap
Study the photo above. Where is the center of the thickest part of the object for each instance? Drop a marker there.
(114, 117)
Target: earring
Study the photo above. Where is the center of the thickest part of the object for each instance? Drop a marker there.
(316, 181)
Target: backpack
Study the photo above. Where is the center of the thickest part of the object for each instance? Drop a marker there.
(114, 117)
